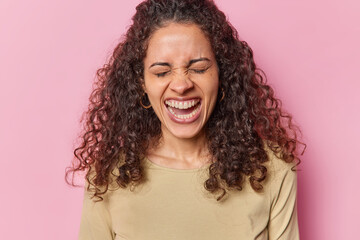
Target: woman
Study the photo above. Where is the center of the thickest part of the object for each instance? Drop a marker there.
(183, 138)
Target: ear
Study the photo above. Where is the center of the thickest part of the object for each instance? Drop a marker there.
(143, 84)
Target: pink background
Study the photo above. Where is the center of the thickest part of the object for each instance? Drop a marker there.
(50, 51)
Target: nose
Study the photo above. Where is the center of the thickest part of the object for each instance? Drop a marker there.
(181, 83)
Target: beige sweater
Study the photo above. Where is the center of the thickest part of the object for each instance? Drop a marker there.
(173, 204)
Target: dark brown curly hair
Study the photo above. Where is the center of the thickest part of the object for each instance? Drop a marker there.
(248, 118)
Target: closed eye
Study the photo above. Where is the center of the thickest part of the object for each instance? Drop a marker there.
(199, 70)
(161, 74)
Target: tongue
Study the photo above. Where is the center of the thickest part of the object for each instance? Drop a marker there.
(183, 111)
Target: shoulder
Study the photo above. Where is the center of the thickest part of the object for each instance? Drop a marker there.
(102, 191)
(282, 185)
(277, 167)
(280, 174)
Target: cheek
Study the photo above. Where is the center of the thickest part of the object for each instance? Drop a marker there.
(150, 85)
(155, 87)
(213, 89)
(154, 92)
(154, 95)
(213, 86)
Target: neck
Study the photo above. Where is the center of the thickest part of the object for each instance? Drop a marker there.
(187, 151)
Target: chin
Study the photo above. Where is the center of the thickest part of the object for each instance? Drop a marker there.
(185, 132)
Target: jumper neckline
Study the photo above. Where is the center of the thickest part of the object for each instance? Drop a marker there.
(176, 169)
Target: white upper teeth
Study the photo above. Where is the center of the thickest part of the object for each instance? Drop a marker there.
(182, 104)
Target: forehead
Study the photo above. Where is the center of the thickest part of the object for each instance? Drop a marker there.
(178, 42)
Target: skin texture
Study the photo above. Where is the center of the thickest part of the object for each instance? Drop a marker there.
(168, 74)
(119, 132)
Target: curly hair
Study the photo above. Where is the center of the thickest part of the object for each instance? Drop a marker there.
(247, 121)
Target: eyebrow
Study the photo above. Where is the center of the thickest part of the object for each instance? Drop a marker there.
(192, 61)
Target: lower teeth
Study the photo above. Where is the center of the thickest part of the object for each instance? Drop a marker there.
(190, 115)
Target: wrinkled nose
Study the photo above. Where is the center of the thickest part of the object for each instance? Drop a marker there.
(181, 84)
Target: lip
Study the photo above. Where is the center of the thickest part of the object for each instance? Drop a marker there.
(182, 98)
(180, 120)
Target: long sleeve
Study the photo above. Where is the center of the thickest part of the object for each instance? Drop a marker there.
(95, 220)
(283, 222)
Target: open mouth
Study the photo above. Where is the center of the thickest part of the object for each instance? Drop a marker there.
(183, 111)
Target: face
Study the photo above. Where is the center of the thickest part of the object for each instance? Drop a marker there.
(181, 78)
